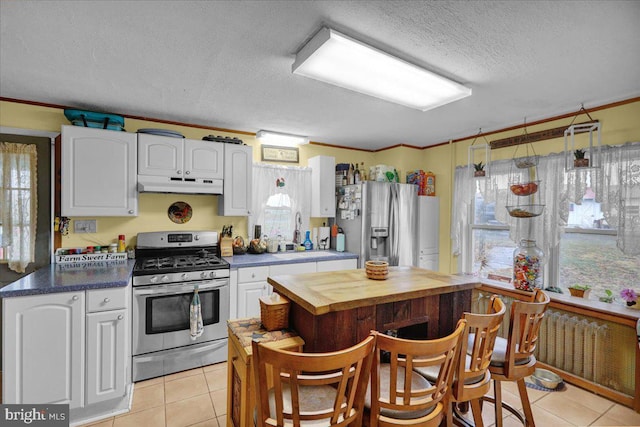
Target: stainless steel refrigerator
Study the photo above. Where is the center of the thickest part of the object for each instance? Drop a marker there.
(380, 221)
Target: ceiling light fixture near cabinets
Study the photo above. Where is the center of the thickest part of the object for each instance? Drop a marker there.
(339, 60)
(281, 139)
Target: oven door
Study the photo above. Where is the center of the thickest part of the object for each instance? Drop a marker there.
(161, 314)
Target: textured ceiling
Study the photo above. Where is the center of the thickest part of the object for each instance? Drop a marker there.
(228, 63)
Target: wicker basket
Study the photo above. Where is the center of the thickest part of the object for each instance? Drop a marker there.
(377, 270)
(274, 312)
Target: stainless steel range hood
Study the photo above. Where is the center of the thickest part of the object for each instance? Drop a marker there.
(165, 184)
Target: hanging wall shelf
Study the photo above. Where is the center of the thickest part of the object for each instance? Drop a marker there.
(589, 156)
(480, 157)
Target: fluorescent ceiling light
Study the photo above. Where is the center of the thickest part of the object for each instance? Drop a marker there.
(278, 138)
(339, 60)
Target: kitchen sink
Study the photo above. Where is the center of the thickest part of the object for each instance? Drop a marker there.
(305, 254)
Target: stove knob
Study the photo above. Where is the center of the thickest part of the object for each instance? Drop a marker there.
(196, 237)
(184, 276)
(203, 275)
(153, 279)
(165, 278)
(212, 274)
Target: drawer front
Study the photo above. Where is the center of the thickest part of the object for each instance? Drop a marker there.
(106, 299)
(253, 274)
(298, 268)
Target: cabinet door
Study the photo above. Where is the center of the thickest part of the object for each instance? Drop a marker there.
(106, 351)
(323, 191)
(428, 224)
(160, 155)
(249, 298)
(43, 346)
(238, 172)
(203, 159)
(98, 172)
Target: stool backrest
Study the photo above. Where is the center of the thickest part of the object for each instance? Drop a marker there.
(408, 355)
(524, 326)
(295, 376)
(476, 346)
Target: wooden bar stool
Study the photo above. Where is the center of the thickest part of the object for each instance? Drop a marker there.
(398, 395)
(513, 358)
(472, 379)
(311, 389)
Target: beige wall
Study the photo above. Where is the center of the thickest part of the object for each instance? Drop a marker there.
(619, 125)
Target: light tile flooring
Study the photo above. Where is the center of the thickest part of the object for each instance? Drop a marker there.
(198, 398)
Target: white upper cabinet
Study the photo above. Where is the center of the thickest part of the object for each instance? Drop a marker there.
(160, 155)
(179, 158)
(238, 175)
(323, 191)
(98, 173)
(203, 159)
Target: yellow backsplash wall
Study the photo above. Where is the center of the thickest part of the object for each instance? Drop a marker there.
(620, 124)
(152, 215)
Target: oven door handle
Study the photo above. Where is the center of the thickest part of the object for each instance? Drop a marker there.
(182, 289)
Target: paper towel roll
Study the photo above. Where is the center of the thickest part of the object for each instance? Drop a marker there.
(323, 238)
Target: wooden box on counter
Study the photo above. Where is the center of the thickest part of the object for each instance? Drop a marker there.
(240, 395)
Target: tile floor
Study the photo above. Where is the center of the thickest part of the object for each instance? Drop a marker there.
(198, 398)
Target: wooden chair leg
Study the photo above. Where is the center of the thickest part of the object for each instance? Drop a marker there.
(476, 409)
(526, 404)
(497, 394)
(450, 407)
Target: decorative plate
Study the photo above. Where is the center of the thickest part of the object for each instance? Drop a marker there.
(180, 212)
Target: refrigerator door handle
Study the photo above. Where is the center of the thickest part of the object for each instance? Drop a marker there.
(394, 227)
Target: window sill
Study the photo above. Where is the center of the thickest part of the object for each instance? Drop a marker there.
(613, 312)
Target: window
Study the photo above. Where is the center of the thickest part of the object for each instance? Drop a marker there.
(18, 215)
(589, 233)
(282, 201)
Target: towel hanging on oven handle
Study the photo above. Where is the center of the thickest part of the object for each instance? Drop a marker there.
(195, 315)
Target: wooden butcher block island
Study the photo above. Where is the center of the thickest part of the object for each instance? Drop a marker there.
(334, 310)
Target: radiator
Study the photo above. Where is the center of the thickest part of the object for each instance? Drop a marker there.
(599, 351)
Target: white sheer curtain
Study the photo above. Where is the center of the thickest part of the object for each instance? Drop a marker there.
(18, 180)
(618, 191)
(280, 192)
(617, 187)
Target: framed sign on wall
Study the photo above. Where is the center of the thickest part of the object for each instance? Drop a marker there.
(273, 153)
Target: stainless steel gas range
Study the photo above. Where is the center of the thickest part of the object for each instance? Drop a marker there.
(169, 266)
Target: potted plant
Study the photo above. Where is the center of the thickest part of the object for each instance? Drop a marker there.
(607, 297)
(580, 161)
(581, 291)
(479, 169)
(630, 297)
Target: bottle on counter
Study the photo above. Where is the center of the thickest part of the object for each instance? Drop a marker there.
(356, 175)
(308, 245)
(121, 243)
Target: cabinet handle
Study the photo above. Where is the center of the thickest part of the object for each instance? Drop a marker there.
(131, 211)
(120, 317)
(179, 172)
(75, 297)
(187, 173)
(253, 275)
(106, 300)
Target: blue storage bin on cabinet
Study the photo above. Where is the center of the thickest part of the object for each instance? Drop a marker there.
(92, 119)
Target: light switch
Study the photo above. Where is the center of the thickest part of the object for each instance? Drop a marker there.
(85, 226)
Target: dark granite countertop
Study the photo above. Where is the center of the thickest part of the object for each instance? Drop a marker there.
(251, 260)
(71, 277)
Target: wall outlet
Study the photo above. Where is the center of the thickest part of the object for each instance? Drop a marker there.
(85, 226)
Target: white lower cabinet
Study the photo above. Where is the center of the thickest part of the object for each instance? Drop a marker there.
(251, 282)
(43, 349)
(107, 349)
(67, 348)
